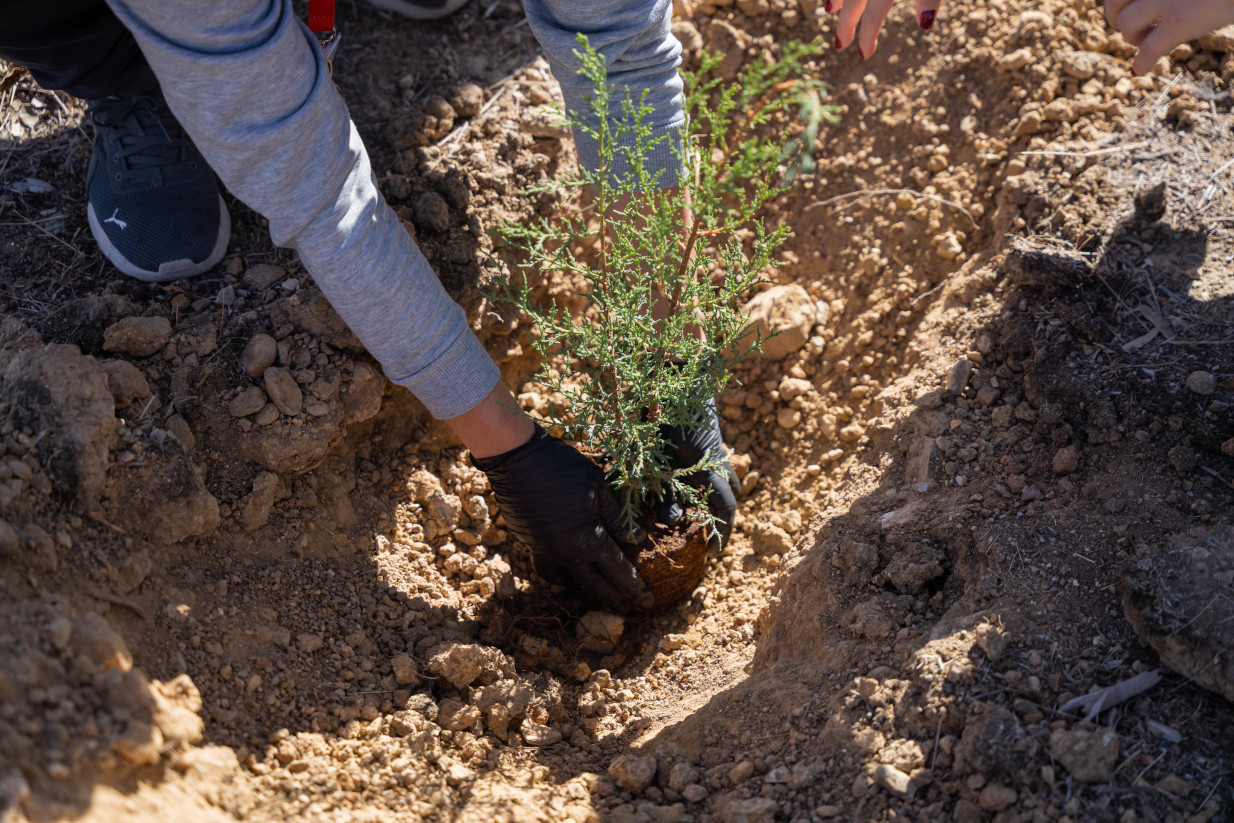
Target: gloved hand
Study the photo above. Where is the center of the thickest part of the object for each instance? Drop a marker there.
(691, 444)
(560, 504)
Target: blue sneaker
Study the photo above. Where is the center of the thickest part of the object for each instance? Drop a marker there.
(153, 201)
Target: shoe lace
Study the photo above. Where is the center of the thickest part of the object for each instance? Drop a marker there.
(148, 138)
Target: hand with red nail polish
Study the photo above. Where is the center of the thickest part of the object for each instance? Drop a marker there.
(1158, 26)
(868, 15)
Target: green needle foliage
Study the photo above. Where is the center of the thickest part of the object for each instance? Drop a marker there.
(662, 327)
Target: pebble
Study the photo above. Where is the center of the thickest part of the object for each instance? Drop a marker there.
(125, 381)
(694, 793)
(947, 246)
(681, 775)
(1220, 41)
(1088, 754)
(1081, 65)
(1202, 382)
(284, 391)
(740, 773)
(536, 735)
(260, 353)
(138, 336)
(633, 772)
(791, 388)
(309, 643)
(268, 414)
(827, 812)
(1066, 460)
(406, 672)
(957, 380)
(263, 275)
(995, 797)
(894, 781)
(753, 810)
(788, 418)
(249, 401)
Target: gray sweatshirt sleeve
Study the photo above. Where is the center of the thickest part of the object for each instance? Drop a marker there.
(250, 85)
(641, 55)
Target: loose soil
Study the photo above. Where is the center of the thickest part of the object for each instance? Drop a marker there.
(994, 476)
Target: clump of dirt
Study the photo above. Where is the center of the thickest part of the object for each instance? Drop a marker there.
(985, 470)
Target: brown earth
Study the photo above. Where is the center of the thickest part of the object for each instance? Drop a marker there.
(992, 476)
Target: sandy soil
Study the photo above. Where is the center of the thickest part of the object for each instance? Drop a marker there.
(992, 477)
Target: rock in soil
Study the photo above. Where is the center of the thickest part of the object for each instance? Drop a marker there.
(600, 631)
(788, 313)
(284, 392)
(633, 772)
(126, 382)
(1176, 595)
(138, 336)
(260, 353)
(1088, 754)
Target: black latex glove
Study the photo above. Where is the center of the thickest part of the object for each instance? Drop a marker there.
(559, 503)
(691, 444)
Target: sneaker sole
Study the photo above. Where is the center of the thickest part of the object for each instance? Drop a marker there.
(171, 270)
(414, 12)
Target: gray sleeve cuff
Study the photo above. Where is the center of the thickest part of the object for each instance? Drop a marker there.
(457, 380)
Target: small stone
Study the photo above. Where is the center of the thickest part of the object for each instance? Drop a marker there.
(61, 629)
(1220, 41)
(827, 812)
(432, 212)
(462, 664)
(995, 797)
(694, 793)
(791, 388)
(600, 631)
(309, 643)
(283, 390)
(1081, 65)
(263, 275)
(753, 810)
(363, 397)
(268, 414)
(894, 781)
(741, 772)
(957, 380)
(788, 418)
(467, 100)
(947, 246)
(992, 639)
(544, 122)
(536, 735)
(260, 353)
(456, 716)
(249, 401)
(258, 504)
(688, 36)
(406, 672)
(681, 775)
(782, 317)
(1202, 382)
(125, 381)
(138, 336)
(633, 772)
(1088, 754)
(768, 539)
(1066, 460)
(180, 428)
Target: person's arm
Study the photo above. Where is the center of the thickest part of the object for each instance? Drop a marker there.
(251, 87)
(641, 55)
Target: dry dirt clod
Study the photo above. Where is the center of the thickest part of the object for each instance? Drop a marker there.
(1088, 754)
(633, 772)
(406, 672)
(363, 397)
(125, 381)
(97, 641)
(751, 810)
(995, 797)
(263, 275)
(259, 354)
(432, 212)
(957, 380)
(284, 392)
(1066, 460)
(894, 780)
(600, 631)
(467, 100)
(534, 734)
(788, 313)
(138, 336)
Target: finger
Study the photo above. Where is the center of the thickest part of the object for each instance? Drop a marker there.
(833, 6)
(846, 23)
(1138, 19)
(613, 519)
(927, 10)
(1113, 8)
(669, 510)
(1175, 28)
(553, 574)
(871, 21)
(611, 565)
(723, 503)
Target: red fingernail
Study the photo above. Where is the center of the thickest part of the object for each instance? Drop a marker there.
(827, 6)
(861, 52)
(927, 19)
(838, 45)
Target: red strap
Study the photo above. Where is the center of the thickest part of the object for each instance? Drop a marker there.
(321, 15)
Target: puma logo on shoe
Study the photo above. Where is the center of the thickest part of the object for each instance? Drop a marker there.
(113, 219)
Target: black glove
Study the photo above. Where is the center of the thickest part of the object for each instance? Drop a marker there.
(559, 503)
(690, 445)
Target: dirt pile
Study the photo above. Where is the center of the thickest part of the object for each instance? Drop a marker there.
(243, 577)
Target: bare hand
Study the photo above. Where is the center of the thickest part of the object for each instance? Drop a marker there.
(871, 14)
(1157, 26)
